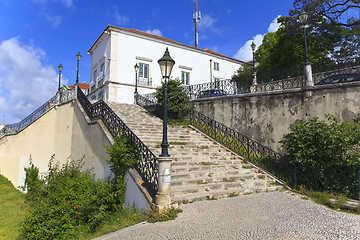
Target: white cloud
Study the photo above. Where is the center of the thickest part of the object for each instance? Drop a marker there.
(25, 82)
(207, 22)
(54, 20)
(154, 31)
(274, 25)
(245, 52)
(120, 19)
(67, 3)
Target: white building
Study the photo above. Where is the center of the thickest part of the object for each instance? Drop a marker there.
(117, 50)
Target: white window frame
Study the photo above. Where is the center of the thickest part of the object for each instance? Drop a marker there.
(185, 78)
(144, 74)
(216, 66)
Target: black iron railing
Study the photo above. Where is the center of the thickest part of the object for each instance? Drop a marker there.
(194, 91)
(146, 160)
(146, 100)
(16, 127)
(290, 83)
(232, 139)
(48, 105)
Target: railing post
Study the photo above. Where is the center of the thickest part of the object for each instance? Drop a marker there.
(359, 180)
(214, 129)
(248, 148)
(295, 180)
(163, 197)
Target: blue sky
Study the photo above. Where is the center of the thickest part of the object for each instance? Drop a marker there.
(37, 35)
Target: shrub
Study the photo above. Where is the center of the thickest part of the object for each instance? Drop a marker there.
(68, 198)
(324, 153)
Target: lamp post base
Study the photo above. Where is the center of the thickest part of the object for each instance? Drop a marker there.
(163, 196)
(309, 82)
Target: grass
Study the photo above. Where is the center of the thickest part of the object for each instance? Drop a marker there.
(229, 179)
(208, 163)
(12, 209)
(178, 143)
(330, 200)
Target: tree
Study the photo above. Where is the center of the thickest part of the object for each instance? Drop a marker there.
(283, 50)
(176, 100)
(337, 12)
(243, 77)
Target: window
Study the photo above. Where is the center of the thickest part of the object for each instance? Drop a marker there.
(216, 66)
(144, 74)
(93, 83)
(93, 97)
(100, 95)
(102, 70)
(185, 78)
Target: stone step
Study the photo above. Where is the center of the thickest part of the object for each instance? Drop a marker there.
(201, 168)
(216, 194)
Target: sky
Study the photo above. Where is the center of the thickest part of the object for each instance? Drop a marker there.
(37, 35)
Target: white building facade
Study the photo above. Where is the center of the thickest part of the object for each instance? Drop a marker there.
(117, 50)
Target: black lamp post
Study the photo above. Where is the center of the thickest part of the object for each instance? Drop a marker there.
(303, 16)
(60, 69)
(253, 53)
(136, 67)
(166, 64)
(78, 57)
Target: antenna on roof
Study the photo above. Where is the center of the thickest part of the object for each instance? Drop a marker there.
(196, 18)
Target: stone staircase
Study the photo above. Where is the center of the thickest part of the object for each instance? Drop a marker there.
(201, 168)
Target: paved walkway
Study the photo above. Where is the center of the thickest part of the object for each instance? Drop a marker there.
(262, 216)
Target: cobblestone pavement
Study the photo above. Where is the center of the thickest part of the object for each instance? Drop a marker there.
(275, 215)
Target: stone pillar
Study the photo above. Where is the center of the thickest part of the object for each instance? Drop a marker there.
(163, 197)
(308, 75)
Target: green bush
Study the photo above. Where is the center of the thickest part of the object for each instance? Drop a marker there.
(68, 198)
(176, 103)
(325, 154)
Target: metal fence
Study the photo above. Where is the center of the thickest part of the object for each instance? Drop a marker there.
(16, 127)
(146, 160)
(48, 105)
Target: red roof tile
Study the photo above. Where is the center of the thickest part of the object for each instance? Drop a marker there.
(83, 86)
(109, 27)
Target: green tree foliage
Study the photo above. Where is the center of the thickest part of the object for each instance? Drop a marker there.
(176, 100)
(284, 49)
(324, 153)
(243, 77)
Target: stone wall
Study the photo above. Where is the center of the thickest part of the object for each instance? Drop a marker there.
(62, 131)
(267, 117)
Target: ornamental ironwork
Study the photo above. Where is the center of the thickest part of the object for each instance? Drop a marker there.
(146, 160)
(16, 127)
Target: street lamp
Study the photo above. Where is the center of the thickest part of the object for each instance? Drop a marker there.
(60, 69)
(166, 64)
(136, 67)
(78, 57)
(309, 83)
(303, 16)
(253, 53)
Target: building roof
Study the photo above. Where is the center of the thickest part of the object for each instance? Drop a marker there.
(83, 86)
(138, 32)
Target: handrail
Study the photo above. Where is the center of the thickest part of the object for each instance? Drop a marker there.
(48, 105)
(17, 127)
(230, 138)
(146, 160)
